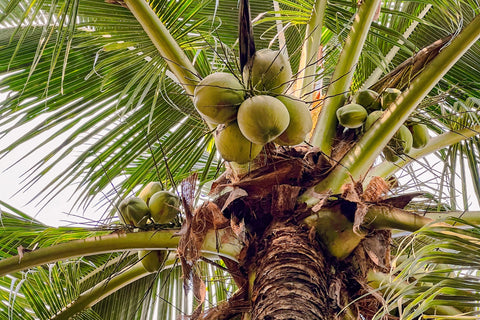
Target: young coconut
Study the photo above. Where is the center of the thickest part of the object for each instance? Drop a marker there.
(218, 96)
(369, 99)
(420, 135)
(262, 119)
(233, 146)
(389, 96)
(154, 260)
(267, 71)
(300, 121)
(164, 207)
(371, 118)
(401, 143)
(390, 155)
(351, 115)
(149, 190)
(134, 211)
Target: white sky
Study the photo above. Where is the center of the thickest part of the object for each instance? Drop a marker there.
(58, 211)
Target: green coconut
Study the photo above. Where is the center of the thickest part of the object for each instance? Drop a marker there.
(369, 99)
(371, 118)
(388, 96)
(149, 190)
(267, 71)
(402, 141)
(218, 96)
(351, 115)
(164, 207)
(262, 119)
(420, 135)
(134, 211)
(233, 146)
(390, 155)
(300, 121)
(152, 260)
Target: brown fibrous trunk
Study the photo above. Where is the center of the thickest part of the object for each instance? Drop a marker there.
(283, 287)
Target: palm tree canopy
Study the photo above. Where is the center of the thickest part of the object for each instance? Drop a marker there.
(102, 88)
(114, 115)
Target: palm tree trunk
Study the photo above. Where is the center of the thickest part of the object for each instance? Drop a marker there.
(290, 278)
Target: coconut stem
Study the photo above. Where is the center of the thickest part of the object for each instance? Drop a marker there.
(326, 126)
(217, 242)
(169, 49)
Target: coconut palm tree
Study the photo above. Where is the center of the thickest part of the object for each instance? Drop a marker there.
(291, 232)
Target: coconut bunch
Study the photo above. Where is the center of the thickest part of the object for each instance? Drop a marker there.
(367, 106)
(153, 205)
(254, 110)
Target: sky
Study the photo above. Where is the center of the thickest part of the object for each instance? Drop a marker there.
(12, 182)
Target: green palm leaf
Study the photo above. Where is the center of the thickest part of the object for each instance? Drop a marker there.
(441, 274)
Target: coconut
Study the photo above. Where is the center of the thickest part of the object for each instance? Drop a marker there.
(218, 96)
(300, 121)
(164, 207)
(369, 99)
(134, 211)
(372, 117)
(390, 155)
(149, 190)
(152, 261)
(389, 96)
(402, 141)
(267, 71)
(233, 146)
(420, 135)
(261, 119)
(351, 115)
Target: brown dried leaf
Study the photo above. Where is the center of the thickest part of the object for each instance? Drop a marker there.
(375, 190)
(235, 194)
(238, 228)
(323, 199)
(199, 288)
(219, 183)
(360, 213)
(350, 193)
(188, 189)
(20, 250)
(377, 249)
(260, 182)
(400, 201)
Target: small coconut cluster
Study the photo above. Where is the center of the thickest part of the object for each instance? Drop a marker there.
(253, 111)
(367, 107)
(153, 205)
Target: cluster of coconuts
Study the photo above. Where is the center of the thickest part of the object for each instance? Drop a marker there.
(253, 111)
(367, 107)
(152, 205)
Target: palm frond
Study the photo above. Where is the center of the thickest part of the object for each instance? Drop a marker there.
(441, 274)
(21, 231)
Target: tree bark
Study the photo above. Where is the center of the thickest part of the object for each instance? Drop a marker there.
(283, 287)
